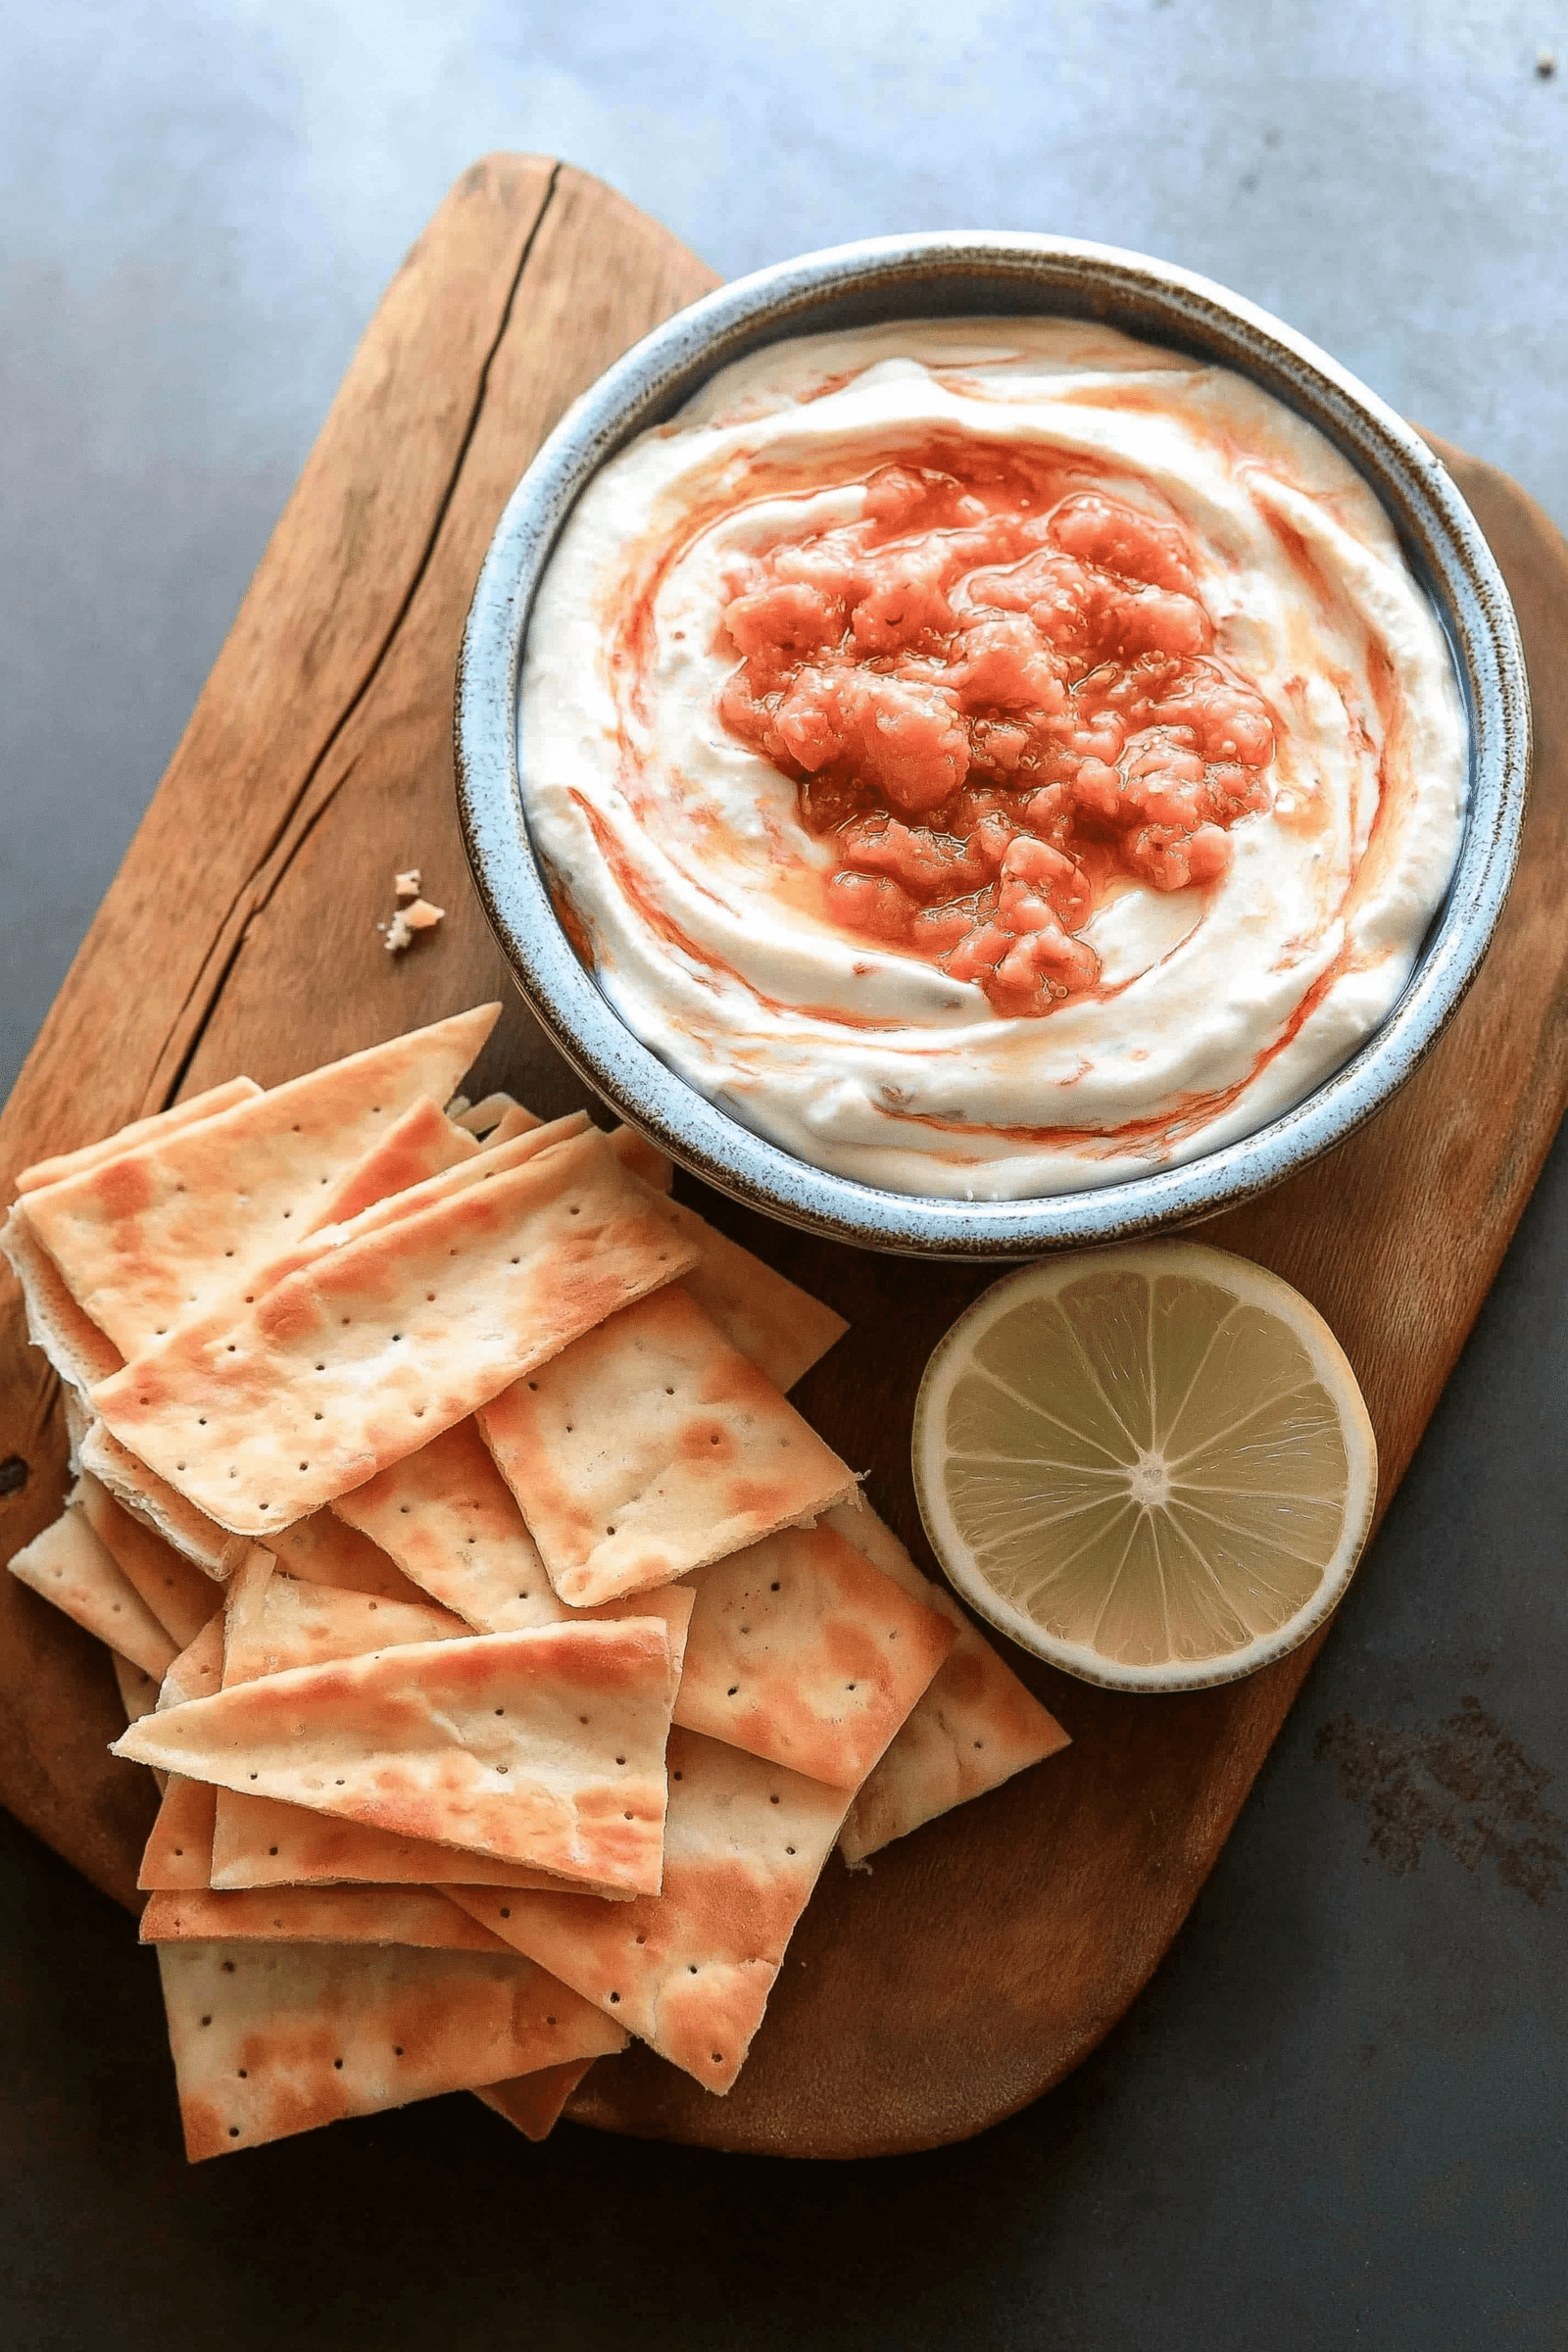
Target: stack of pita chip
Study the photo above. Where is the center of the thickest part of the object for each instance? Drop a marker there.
(510, 1652)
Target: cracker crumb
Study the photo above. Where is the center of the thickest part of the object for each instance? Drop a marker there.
(408, 922)
(407, 886)
(1545, 64)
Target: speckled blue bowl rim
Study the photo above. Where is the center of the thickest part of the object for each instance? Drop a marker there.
(954, 275)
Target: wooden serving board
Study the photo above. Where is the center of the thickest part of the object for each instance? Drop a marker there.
(981, 1959)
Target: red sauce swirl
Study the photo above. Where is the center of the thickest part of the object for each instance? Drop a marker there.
(996, 695)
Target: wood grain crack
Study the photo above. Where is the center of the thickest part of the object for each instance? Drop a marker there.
(293, 829)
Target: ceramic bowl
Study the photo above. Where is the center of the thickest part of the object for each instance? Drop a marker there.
(894, 278)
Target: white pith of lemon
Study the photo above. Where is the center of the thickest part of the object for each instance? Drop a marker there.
(1150, 1464)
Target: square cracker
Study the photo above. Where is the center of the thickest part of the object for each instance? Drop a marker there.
(802, 1652)
(413, 1914)
(358, 1357)
(652, 1446)
(159, 1234)
(974, 1727)
(273, 2039)
(140, 1131)
(689, 1971)
(68, 1565)
(544, 1747)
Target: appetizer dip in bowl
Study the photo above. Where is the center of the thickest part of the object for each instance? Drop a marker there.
(1010, 745)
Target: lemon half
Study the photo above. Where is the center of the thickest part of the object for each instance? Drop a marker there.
(1151, 1465)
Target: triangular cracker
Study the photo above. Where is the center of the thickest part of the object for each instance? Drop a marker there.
(544, 1747)
(532, 2103)
(151, 1500)
(412, 1915)
(781, 1328)
(179, 1595)
(272, 1623)
(973, 1729)
(262, 1841)
(652, 1446)
(416, 1147)
(270, 2040)
(68, 1566)
(138, 1691)
(357, 1358)
(198, 1671)
(324, 1550)
(179, 1851)
(644, 1159)
(449, 1518)
(690, 1971)
(776, 1325)
(481, 1118)
(802, 1652)
(158, 1236)
(140, 1131)
(514, 1121)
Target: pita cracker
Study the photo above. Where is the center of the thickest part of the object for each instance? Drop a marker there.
(353, 1361)
(178, 1594)
(690, 1971)
(412, 1915)
(532, 2103)
(273, 2039)
(650, 1447)
(323, 1550)
(776, 1325)
(151, 1500)
(514, 1122)
(447, 1518)
(138, 1691)
(160, 1234)
(272, 1622)
(198, 1671)
(259, 1842)
(643, 1158)
(68, 1566)
(973, 1728)
(422, 1144)
(801, 1652)
(140, 1131)
(79, 1350)
(480, 1118)
(178, 1855)
(544, 1747)
(781, 1328)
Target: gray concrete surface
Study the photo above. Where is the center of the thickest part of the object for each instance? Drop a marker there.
(1337, 2117)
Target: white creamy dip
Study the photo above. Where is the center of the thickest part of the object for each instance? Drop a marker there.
(696, 871)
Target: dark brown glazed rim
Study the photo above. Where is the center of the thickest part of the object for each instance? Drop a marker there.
(974, 276)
